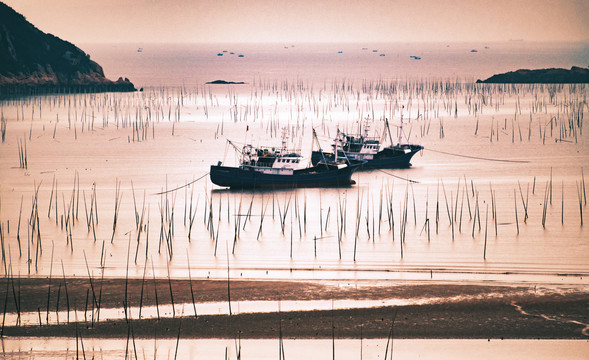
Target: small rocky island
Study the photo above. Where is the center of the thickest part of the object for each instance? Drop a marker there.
(224, 82)
(33, 62)
(576, 75)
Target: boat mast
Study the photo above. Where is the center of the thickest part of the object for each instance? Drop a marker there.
(316, 140)
(366, 127)
(337, 140)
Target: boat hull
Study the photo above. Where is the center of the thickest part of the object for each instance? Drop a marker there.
(388, 158)
(248, 178)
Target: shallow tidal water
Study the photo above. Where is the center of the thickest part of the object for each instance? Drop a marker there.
(60, 348)
(117, 185)
(471, 204)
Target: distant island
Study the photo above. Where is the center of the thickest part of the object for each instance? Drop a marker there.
(33, 62)
(575, 75)
(223, 82)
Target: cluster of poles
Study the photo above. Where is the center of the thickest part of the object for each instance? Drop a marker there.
(383, 215)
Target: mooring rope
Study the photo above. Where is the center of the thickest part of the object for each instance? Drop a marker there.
(398, 177)
(478, 158)
(183, 186)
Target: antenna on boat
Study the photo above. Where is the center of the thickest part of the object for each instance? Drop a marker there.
(366, 126)
(247, 128)
(284, 140)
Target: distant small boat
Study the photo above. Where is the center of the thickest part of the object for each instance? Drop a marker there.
(340, 52)
(140, 50)
(415, 57)
(474, 50)
(240, 55)
(370, 150)
(220, 54)
(382, 55)
(265, 167)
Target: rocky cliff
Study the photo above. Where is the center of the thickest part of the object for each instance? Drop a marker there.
(32, 61)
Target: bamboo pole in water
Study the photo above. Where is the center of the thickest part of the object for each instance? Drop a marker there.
(171, 292)
(190, 282)
(485, 248)
(515, 206)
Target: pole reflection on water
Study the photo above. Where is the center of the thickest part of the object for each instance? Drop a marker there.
(113, 196)
(95, 175)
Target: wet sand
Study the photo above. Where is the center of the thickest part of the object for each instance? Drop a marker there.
(473, 311)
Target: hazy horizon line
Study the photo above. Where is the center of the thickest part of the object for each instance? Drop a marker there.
(283, 43)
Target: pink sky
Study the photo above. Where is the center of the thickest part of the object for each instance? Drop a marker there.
(145, 21)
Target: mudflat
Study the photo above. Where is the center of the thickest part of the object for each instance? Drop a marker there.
(444, 310)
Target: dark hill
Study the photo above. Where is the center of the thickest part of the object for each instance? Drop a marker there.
(32, 61)
(541, 76)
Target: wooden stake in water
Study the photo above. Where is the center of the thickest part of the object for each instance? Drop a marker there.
(171, 293)
(142, 286)
(437, 206)
(580, 203)
(391, 337)
(562, 205)
(67, 297)
(228, 279)
(486, 218)
(177, 340)
(190, 282)
(551, 184)
(49, 285)
(18, 227)
(515, 205)
(118, 198)
(5, 307)
(157, 305)
(126, 301)
(544, 210)
(583, 183)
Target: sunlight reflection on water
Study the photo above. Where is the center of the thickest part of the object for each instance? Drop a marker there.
(261, 349)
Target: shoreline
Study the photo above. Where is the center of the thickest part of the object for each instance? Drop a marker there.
(457, 312)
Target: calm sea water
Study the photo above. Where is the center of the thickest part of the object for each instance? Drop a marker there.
(267, 348)
(465, 211)
(190, 65)
(493, 155)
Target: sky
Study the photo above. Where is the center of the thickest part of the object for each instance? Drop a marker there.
(297, 21)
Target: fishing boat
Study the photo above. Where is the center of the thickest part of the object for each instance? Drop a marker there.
(370, 150)
(267, 167)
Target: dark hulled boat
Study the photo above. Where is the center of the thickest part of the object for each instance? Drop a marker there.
(391, 157)
(266, 167)
(321, 175)
(370, 150)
